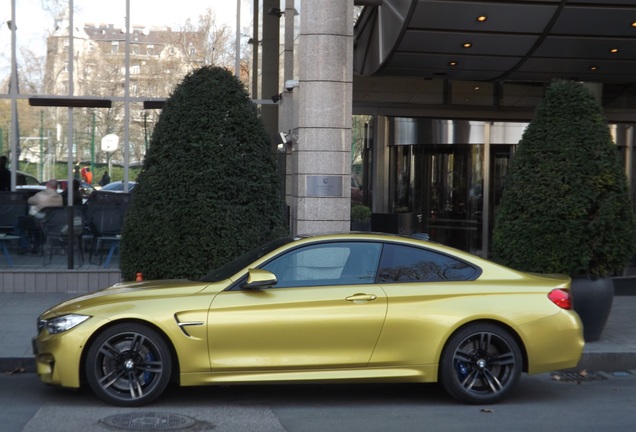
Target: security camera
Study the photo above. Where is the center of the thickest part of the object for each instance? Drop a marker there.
(290, 85)
(282, 138)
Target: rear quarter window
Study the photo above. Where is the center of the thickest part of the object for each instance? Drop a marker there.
(400, 263)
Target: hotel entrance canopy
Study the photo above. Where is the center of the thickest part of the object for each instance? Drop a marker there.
(497, 41)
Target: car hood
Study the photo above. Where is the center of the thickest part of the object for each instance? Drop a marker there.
(128, 291)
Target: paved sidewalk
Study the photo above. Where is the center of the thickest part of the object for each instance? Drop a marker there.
(615, 351)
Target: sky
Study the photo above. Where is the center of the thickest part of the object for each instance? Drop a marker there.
(34, 23)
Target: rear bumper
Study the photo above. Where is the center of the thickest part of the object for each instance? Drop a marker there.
(553, 343)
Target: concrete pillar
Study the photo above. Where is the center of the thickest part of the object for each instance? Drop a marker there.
(323, 100)
(286, 112)
(269, 68)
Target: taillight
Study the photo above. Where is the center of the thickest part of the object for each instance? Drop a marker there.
(561, 298)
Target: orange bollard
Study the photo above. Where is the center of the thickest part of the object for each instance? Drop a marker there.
(140, 277)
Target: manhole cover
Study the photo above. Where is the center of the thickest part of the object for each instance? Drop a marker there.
(578, 377)
(149, 421)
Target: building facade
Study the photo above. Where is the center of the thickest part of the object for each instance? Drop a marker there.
(442, 91)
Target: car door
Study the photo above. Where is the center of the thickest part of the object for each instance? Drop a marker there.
(324, 312)
(428, 290)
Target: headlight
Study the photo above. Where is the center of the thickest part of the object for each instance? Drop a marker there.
(62, 324)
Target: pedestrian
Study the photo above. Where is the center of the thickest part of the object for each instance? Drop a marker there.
(105, 179)
(5, 175)
(87, 175)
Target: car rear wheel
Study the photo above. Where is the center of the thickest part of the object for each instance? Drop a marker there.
(480, 364)
(128, 365)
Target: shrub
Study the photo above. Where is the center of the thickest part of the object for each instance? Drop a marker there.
(208, 190)
(360, 213)
(565, 207)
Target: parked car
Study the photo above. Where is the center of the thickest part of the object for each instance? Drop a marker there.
(26, 179)
(350, 307)
(118, 186)
(32, 189)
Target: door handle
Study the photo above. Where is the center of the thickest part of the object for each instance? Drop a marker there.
(361, 297)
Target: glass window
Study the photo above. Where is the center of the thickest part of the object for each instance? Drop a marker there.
(410, 264)
(346, 263)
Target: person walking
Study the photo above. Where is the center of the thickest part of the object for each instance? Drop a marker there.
(105, 179)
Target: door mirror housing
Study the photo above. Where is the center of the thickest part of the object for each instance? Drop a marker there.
(258, 279)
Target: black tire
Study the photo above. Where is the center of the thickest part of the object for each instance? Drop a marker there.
(128, 365)
(481, 364)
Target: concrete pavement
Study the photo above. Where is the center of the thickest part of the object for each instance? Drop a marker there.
(615, 351)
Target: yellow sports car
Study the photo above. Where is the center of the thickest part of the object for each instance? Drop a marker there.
(351, 307)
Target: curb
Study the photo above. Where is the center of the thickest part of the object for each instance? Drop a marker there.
(607, 361)
(17, 365)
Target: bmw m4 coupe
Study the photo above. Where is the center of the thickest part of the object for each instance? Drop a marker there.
(353, 307)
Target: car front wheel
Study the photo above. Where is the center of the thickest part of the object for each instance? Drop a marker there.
(128, 364)
(481, 363)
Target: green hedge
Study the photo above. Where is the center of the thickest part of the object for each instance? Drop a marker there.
(565, 207)
(208, 190)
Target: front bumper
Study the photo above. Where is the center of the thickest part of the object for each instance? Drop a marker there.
(58, 358)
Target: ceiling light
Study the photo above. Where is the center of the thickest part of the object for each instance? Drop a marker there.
(614, 50)
(476, 88)
(452, 63)
(593, 68)
(482, 18)
(634, 24)
(467, 45)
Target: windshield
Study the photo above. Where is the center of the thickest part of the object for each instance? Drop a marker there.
(231, 268)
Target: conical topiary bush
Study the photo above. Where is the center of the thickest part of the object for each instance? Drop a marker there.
(565, 207)
(208, 190)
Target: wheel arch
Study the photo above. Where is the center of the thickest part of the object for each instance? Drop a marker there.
(174, 373)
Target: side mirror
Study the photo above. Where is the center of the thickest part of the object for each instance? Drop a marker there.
(257, 279)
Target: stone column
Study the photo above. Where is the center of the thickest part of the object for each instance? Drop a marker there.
(269, 68)
(323, 100)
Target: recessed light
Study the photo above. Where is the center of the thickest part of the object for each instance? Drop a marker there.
(593, 68)
(467, 45)
(482, 18)
(476, 88)
(634, 24)
(614, 50)
(453, 63)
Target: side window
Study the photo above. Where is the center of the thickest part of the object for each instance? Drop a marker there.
(411, 264)
(346, 263)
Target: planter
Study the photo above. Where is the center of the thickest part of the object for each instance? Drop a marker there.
(593, 302)
(360, 226)
(396, 223)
